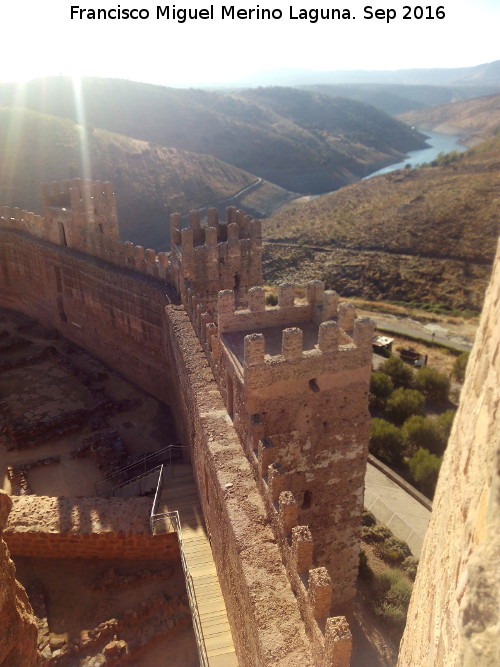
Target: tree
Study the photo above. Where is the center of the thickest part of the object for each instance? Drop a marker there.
(403, 403)
(386, 442)
(398, 371)
(381, 386)
(445, 422)
(424, 468)
(434, 385)
(460, 366)
(419, 432)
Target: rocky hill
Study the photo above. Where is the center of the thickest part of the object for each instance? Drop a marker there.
(423, 235)
(150, 181)
(301, 141)
(474, 119)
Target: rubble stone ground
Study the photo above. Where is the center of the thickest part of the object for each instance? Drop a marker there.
(52, 404)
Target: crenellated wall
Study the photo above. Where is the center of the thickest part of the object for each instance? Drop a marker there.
(114, 313)
(114, 299)
(218, 256)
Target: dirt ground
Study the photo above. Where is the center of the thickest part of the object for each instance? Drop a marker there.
(75, 607)
(44, 390)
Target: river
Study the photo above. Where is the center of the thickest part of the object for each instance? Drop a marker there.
(438, 143)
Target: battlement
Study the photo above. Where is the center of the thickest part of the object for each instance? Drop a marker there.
(15, 218)
(218, 255)
(320, 306)
(82, 215)
(315, 338)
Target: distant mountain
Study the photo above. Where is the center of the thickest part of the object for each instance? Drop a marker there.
(286, 136)
(474, 119)
(150, 181)
(486, 74)
(397, 98)
(424, 235)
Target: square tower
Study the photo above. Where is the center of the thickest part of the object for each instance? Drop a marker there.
(296, 382)
(78, 210)
(218, 256)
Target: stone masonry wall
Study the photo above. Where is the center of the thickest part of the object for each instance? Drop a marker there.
(303, 410)
(266, 624)
(53, 527)
(454, 614)
(18, 630)
(114, 313)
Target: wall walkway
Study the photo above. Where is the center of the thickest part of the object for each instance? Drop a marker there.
(180, 494)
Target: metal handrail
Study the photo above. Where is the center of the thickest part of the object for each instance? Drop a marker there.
(148, 458)
(193, 605)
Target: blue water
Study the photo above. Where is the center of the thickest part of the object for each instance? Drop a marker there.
(439, 143)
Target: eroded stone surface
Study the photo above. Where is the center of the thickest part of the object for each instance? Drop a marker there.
(454, 616)
(18, 629)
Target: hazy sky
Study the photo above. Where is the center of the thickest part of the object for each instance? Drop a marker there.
(39, 38)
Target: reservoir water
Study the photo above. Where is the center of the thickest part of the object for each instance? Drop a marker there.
(438, 143)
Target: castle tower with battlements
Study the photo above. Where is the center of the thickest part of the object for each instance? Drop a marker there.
(296, 379)
(74, 211)
(293, 379)
(218, 256)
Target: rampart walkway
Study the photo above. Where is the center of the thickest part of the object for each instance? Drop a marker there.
(180, 494)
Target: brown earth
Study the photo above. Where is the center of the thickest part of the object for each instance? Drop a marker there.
(424, 235)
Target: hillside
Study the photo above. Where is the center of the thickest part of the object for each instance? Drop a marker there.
(475, 119)
(485, 74)
(426, 235)
(264, 136)
(397, 99)
(150, 181)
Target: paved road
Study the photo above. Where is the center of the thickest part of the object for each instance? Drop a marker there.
(452, 335)
(394, 507)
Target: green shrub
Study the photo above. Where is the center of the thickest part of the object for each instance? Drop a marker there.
(409, 565)
(381, 385)
(435, 386)
(392, 615)
(386, 441)
(395, 550)
(421, 432)
(367, 518)
(424, 468)
(398, 371)
(445, 422)
(403, 403)
(365, 572)
(460, 366)
(376, 533)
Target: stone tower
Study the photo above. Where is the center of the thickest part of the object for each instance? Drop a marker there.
(296, 379)
(78, 212)
(218, 256)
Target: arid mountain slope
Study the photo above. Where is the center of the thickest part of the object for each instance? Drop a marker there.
(475, 119)
(263, 136)
(150, 181)
(398, 98)
(426, 235)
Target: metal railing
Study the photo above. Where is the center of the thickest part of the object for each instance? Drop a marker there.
(149, 462)
(173, 518)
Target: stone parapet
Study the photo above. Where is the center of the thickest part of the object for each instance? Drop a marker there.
(53, 527)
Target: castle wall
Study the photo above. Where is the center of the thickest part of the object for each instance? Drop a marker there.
(53, 527)
(266, 624)
(453, 618)
(113, 313)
